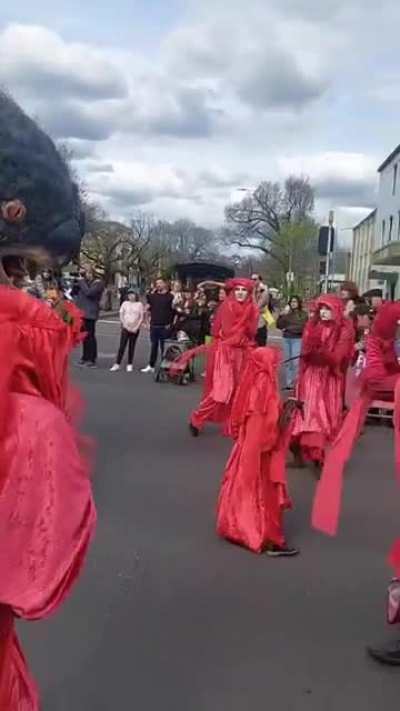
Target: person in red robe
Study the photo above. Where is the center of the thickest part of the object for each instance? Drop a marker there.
(380, 380)
(233, 336)
(47, 514)
(254, 494)
(327, 347)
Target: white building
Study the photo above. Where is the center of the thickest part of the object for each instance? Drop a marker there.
(363, 249)
(375, 258)
(385, 261)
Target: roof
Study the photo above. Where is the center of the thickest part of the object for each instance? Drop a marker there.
(365, 219)
(203, 271)
(389, 159)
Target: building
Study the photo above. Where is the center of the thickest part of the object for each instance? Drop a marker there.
(376, 239)
(363, 249)
(385, 262)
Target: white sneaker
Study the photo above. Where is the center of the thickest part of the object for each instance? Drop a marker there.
(129, 368)
(114, 368)
(147, 369)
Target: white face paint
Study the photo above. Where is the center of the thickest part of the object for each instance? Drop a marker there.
(325, 314)
(241, 293)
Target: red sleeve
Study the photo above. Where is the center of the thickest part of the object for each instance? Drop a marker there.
(377, 378)
(340, 356)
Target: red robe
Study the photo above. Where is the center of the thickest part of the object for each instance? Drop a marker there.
(253, 494)
(233, 333)
(380, 380)
(47, 514)
(326, 352)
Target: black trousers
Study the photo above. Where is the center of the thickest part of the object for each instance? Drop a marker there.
(158, 335)
(127, 338)
(89, 346)
(261, 336)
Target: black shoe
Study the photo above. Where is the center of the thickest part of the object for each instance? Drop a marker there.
(193, 430)
(387, 654)
(82, 362)
(275, 551)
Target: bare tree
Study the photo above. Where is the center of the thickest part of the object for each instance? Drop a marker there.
(277, 222)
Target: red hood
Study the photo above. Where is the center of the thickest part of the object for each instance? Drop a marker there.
(334, 303)
(239, 281)
(385, 323)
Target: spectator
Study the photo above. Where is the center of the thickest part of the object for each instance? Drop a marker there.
(159, 306)
(88, 293)
(374, 299)
(177, 293)
(262, 300)
(292, 322)
(131, 315)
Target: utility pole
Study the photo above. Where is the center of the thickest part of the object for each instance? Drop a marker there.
(329, 251)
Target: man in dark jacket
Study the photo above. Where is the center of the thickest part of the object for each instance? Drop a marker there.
(159, 307)
(88, 292)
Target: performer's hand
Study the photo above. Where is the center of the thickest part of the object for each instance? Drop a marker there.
(290, 406)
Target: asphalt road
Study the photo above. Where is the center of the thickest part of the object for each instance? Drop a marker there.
(167, 617)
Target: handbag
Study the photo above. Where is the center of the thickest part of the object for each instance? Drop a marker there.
(393, 602)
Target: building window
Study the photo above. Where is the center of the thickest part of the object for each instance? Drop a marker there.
(394, 178)
(390, 228)
(383, 231)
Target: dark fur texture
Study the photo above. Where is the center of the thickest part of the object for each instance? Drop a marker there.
(32, 170)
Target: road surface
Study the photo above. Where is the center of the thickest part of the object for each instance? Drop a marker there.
(166, 617)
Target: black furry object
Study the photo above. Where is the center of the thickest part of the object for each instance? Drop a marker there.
(33, 172)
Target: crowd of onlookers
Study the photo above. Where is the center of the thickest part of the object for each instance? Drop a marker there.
(182, 312)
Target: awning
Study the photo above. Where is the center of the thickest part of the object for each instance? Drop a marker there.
(389, 255)
(384, 272)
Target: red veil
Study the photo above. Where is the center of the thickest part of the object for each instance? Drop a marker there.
(47, 514)
(380, 379)
(326, 351)
(253, 493)
(234, 327)
(333, 349)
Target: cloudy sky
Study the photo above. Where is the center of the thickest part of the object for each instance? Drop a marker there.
(170, 106)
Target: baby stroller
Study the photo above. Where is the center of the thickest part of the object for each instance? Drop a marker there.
(173, 350)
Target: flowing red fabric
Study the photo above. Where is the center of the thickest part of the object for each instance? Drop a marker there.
(253, 494)
(380, 381)
(326, 352)
(233, 331)
(47, 514)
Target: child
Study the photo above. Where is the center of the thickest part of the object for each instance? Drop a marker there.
(254, 495)
(131, 314)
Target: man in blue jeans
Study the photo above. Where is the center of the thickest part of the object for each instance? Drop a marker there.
(159, 305)
(292, 323)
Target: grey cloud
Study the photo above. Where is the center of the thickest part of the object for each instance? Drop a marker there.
(347, 192)
(52, 83)
(277, 82)
(180, 111)
(68, 120)
(99, 167)
(39, 63)
(80, 149)
(211, 179)
(133, 197)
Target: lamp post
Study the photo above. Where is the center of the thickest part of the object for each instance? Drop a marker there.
(329, 251)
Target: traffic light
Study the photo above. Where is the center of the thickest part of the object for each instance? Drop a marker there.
(323, 240)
